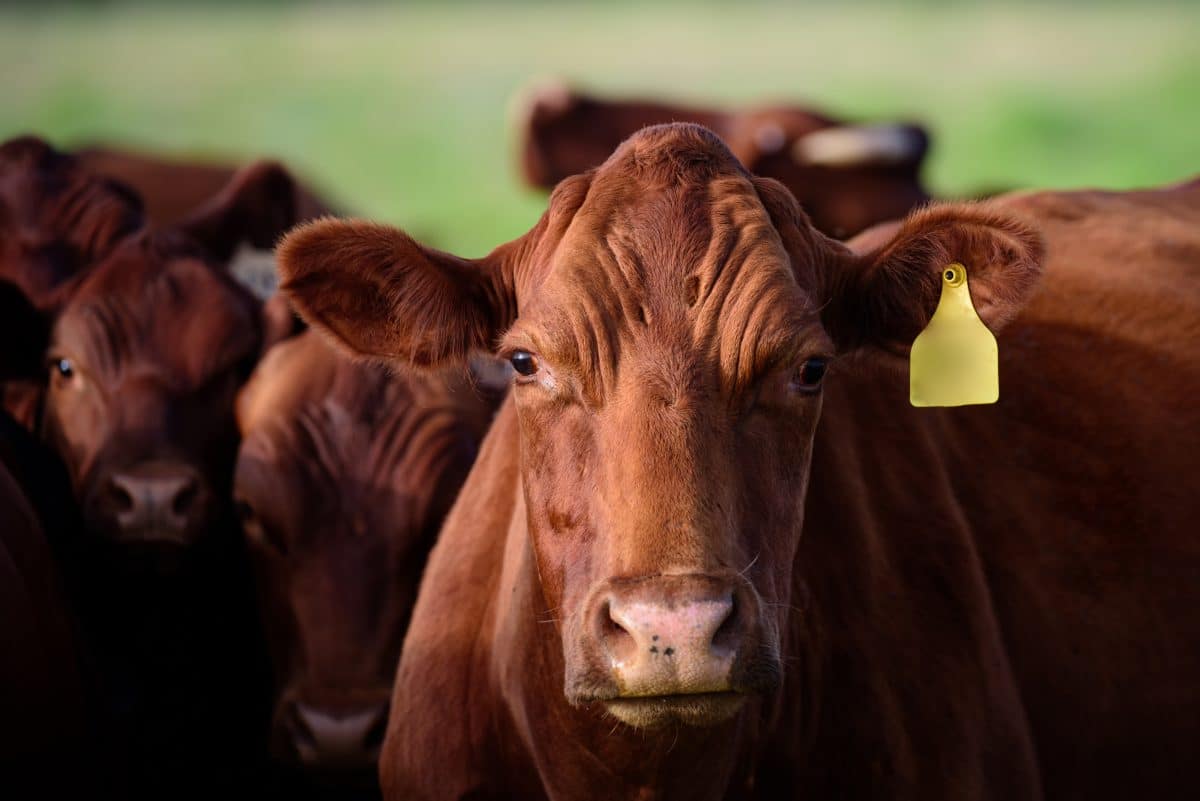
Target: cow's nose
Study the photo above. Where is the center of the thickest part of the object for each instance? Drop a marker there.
(672, 642)
(155, 502)
(337, 738)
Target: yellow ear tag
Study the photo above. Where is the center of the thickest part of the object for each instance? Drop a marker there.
(954, 361)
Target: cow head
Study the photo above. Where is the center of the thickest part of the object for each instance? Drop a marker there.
(343, 477)
(670, 320)
(149, 341)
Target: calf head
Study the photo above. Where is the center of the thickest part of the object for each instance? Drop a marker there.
(343, 477)
(148, 343)
(846, 176)
(670, 321)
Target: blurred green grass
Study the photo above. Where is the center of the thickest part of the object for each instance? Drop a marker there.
(401, 113)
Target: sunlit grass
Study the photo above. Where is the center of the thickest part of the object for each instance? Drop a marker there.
(400, 113)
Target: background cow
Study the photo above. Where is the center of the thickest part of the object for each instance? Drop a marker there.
(344, 475)
(149, 341)
(988, 602)
(846, 176)
(172, 188)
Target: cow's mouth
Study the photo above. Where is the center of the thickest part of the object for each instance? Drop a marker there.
(697, 709)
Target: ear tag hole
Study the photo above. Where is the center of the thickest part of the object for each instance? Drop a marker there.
(954, 361)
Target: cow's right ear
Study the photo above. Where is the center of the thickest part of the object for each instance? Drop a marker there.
(380, 294)
(255, 208)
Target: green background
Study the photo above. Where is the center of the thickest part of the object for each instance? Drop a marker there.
(402, 112)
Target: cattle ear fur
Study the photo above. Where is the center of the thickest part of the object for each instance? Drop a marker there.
(256, 207)
(381, 294)
(882, 289)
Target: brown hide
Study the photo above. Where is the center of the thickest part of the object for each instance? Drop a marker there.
(173, 188)
(345, 472)
(986, 602)
(846, 176)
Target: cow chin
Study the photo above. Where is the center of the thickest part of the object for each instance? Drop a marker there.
(699, 709)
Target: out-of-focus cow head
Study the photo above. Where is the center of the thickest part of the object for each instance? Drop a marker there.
(846, 176)
(149, 339)
(345, 472)
(670, 320)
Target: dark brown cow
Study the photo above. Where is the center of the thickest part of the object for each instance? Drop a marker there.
(149, 345)
(45, 719)
(846, 176)
(172, 188)
(987, 602)
(344, 475)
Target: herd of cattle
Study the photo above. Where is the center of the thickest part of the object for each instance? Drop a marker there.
(636, 503)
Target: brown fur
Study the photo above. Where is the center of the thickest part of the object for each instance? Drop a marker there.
(344, 475)
(986, 602)
(563, 133)
(173, 188)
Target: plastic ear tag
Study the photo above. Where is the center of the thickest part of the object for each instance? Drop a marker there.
(954, 361)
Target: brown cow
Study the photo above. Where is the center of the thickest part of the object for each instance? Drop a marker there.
(149, 345)
(846, 176)
(344, 475)
(45, 715)
(987, 602)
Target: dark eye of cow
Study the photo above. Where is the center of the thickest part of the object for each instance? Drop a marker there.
(254, 529)
(524, 362)
(808, 377)
(64, 368)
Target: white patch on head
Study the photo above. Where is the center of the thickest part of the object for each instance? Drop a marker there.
(255, 270)
(847, 145)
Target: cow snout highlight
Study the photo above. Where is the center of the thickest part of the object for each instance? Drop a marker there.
(154, 502)
(336, 739)
(670, 646)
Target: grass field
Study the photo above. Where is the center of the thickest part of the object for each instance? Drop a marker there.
(400, 113)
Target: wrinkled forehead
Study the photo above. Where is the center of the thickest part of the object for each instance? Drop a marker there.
(169, 312)
(672, 241)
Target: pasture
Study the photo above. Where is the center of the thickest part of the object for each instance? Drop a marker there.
(401, 113)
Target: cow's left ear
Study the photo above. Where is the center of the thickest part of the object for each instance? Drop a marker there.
(256, 207)
(882, 287)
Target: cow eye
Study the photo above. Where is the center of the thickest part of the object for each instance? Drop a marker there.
(808, 376)
(524, 362)
(255, 531)
(64, 368)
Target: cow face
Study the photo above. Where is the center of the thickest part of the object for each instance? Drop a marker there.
(145, 359)
(344, 475)
(670, 319)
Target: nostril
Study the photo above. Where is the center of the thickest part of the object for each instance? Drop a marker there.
(119, 498)
(617, 639)
(301, 734)
(728, 631)
(185, 498)
(374, 737)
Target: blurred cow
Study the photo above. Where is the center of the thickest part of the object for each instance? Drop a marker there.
(172, 188)
(45, 705)
(846, 176)
(149, 340)
(345, 472)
